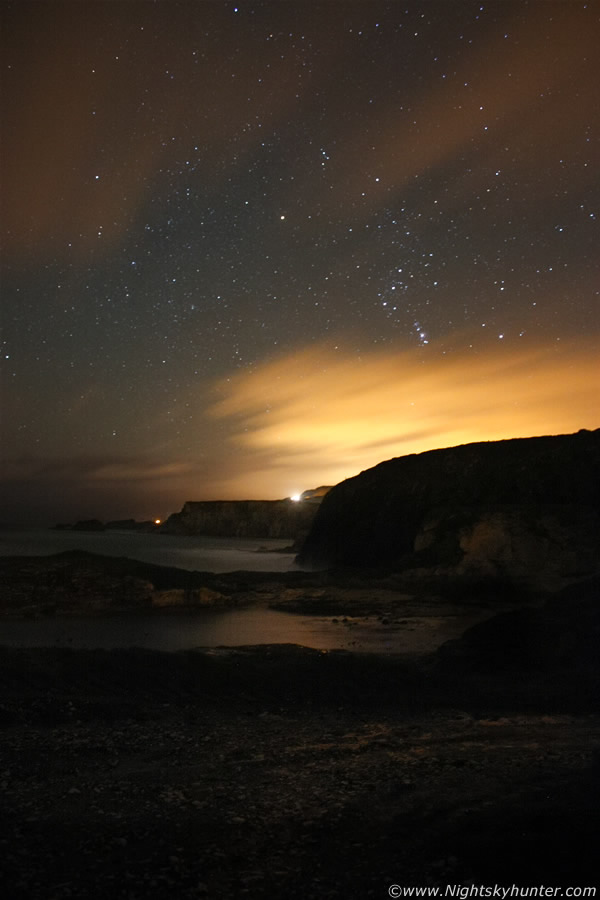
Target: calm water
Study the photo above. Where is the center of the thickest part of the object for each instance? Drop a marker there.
(204, 554)
(206, 628)
(203, 628)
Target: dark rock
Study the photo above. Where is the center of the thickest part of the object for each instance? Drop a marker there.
(88, 525)
(561, 635)
(523, 511)
(130, 525)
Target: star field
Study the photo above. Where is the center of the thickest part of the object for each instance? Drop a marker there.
(196, 191)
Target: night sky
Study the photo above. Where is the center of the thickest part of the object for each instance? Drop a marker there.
(250, 249)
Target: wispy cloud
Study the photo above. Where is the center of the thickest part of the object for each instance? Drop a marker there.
(318, 416)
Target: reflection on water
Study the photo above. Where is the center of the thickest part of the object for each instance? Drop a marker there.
(204, 554)
(180, 631)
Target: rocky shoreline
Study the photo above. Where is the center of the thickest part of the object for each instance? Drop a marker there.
(279, 771)
(80, 583)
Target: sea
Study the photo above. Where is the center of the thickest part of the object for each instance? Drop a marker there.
(179, 630)
(202, 554)
(170, 630)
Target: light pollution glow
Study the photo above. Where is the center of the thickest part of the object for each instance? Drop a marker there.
(318, 416)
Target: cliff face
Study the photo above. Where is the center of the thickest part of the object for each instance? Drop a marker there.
(243, 518)
(525, 510)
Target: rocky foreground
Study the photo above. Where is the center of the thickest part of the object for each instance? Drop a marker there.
(280, 772)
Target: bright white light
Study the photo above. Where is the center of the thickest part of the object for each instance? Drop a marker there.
(295, 497)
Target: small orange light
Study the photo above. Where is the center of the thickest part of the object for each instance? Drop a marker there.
(157, 521)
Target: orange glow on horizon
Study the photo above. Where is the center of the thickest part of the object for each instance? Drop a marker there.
(319, 416)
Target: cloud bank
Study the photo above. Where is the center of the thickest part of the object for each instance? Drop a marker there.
(317, 416)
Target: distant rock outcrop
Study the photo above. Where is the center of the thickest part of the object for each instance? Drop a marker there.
(88, 525)
(116, 525)
(243, 518)
(131, 525)
(525, 510)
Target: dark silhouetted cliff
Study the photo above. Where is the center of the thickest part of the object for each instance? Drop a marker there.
(243, 518)
(524, 510)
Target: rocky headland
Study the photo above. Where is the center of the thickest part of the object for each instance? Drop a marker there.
(244, 518)
(523, 511)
